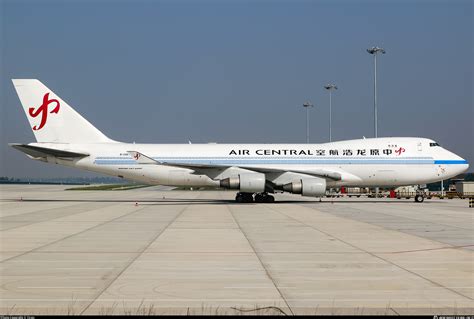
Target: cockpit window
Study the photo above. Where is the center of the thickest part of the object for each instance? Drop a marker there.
(434, 144)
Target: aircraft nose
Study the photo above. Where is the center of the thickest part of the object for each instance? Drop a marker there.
(462, 166)
(458, 164)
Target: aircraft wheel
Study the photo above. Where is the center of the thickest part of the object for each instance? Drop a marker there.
(259, 198)
(239, 198)
(244, 198)
(419, 198)
(269, 199)
(264, 198)
(248, 198)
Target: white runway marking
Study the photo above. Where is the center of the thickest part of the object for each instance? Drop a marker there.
(56, 287)
(88, 268)
(221, 299)
(237, 287)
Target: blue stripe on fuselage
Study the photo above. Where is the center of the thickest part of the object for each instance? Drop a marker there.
(451, 162)
(234, 161)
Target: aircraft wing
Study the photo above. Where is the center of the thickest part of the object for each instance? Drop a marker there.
(141, 158)
(37, 151)
(204, 168)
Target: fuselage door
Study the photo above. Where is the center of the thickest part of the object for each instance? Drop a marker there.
(420, 146)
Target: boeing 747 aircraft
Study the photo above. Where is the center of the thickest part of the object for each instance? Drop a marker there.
(255, 170)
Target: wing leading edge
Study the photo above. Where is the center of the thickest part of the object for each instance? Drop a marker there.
(204, 168)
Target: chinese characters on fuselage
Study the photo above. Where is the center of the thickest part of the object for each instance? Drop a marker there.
(318, 152)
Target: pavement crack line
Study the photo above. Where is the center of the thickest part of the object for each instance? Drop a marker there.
(404, 231)
(140, 253)
(428, 249)
(370, 253)
(45, 220)
(405, 217)
(260, 260)
(72, 235)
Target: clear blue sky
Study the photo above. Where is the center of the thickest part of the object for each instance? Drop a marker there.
(239, 71)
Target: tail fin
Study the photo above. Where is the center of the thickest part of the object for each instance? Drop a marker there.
(52, 119)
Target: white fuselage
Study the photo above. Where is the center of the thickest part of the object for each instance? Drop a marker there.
(366, 162)
(65, 137)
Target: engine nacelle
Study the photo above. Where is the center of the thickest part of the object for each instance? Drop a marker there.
(245, 182)
(315, 187)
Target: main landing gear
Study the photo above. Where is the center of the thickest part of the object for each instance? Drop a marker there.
(244, 198)
(259, 198)
(264, 198)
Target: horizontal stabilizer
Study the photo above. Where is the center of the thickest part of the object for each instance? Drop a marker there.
(141, 158)
(37, 151)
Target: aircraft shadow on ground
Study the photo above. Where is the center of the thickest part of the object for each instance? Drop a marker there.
(181, 201)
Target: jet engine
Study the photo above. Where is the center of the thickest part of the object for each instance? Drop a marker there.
(245, 182)
(315, 187)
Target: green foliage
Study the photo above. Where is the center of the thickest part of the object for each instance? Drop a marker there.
(107, 187)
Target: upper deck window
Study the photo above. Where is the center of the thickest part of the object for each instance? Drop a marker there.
(434, 144)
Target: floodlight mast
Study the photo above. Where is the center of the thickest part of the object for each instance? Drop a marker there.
(330, 87)
(374, 51)
(307, 105)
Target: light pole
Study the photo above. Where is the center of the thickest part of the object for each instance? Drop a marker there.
(307, 105)
(330, 87)
(374, 51)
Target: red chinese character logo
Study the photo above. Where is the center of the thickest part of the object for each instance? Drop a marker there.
(400, 151)
(43, 110)
(136, 156)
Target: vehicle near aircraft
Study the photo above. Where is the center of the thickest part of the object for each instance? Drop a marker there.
(255, 170)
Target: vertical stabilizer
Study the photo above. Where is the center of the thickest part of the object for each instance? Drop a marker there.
(52, 119)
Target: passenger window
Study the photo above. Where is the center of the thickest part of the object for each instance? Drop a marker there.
(434, 144)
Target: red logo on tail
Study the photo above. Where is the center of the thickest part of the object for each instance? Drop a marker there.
(43, 110)
(400, 151)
